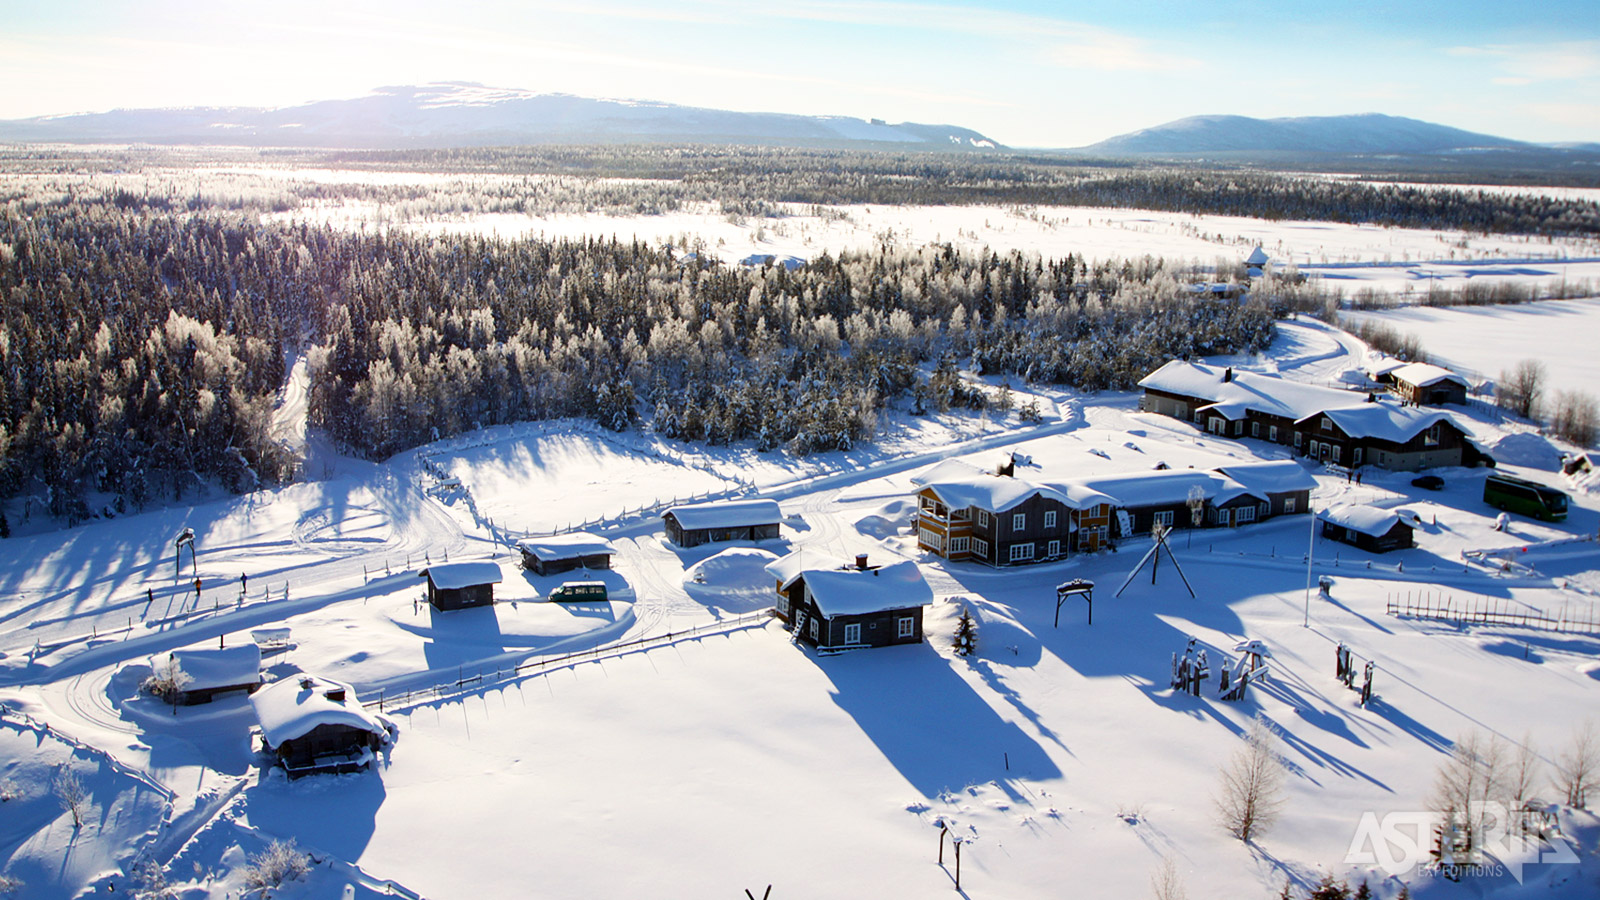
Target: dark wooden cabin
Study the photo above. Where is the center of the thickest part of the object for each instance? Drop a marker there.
(565, 552)
(209, 672)
(729, 520)
(1368, 527)
(313, 724)
(460, 585)
(847, 607)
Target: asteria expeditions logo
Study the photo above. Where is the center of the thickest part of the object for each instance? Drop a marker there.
(1488, 840)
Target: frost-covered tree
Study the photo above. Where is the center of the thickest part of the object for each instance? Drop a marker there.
(1251, 796)
(70, 792)
(281, 861)
(1577, 766)
(1520, 388)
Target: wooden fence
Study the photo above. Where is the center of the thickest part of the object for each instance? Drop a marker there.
(1493, 611)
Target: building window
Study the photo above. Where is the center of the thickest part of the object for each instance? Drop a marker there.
(905, 627)
(1431, 437)
(980, 547)
(1164, 518)
(1053, 548)
(1050, 518)
(1297, 440)
(962, 514)
(983, 518)
(1265, 510)
(1021, 552)
(1019, 521)
(1336, 449)
(933, 540)
(783, 606)
(1272, 432)
(958, 545)
(1244, 514)
(1327, 424)
(1255, 429)
(1288, 504)
(815, 629)
(1222, 517)
(852, 634)
(1355, 456)
(1238, 429)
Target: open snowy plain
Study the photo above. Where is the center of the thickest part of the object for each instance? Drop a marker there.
(691, 750)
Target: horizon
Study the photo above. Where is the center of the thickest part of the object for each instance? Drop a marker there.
(1024, 73)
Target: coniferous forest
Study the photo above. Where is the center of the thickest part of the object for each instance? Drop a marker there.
(145, 334)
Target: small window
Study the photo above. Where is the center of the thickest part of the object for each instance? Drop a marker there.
(1355, 456)
(1020, 552)
(1164, 518)
(958, 545)
(983, 518)
(1019, 521)
(1244, 514)
(852, 634)
(1431, 437)
(1327, 424)
(815, 630)
(1272, 432)
(1288, 504)
(963, 513)
(980, 547)
(1053, 548)
(1050, 518)
(906, 626)
(933, 540)
(1255, 429)
(783, 605)
(1297, 440)
(1222, 517)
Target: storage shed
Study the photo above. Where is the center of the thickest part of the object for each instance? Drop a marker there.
(565, 552)
(460, 585)
(847, 607)
(1368, 527)
(728, 520)
(314, 724)
(1429, 385)
(205, 672)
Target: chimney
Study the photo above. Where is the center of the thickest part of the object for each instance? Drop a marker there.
(1372, 398)
(1227, 375)
(861, 560)
(335, 694)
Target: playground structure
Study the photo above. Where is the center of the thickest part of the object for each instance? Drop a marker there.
(1153, 556)
(1078, 587)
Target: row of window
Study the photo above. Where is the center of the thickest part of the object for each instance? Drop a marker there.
(905, 626)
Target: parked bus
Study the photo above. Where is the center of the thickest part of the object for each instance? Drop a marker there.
(579, 592)
(1525, 497)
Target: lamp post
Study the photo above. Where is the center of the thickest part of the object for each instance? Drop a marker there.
(1311, 550)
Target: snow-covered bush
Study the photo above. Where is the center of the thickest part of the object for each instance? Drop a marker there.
(281, 861)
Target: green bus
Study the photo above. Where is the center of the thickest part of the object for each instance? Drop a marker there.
(579, 592)
(1528, 498)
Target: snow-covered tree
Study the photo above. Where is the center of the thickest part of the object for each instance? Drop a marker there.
(1252, 784)
(966, 639)
(1577, 768)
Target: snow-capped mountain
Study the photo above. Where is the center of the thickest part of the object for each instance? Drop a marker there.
(1370, 133)
(462, 114)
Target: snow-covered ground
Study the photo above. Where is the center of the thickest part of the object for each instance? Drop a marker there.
(716, 756)
(1563, 334)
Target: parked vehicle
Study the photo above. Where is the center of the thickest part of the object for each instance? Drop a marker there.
(1525, 497)
(580, 592)
(1429, 482)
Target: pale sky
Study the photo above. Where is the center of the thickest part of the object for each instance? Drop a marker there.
(1026, 73)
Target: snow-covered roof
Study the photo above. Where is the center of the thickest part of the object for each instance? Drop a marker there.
(857, 592)
(1425, 374)
(946, 470)
(1163, 487)
(451, 576)
(292, 707)
(1384, 421)
(1257, 257)
(786, 569)
(995, 493)
(1369, 520)
(1247, 390)
(214, 667)
(1276, 476)
(1384, 365)
(567, 546)
(726, 514)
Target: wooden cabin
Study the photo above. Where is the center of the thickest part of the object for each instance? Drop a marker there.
(847, 607)
(565, 552)
(1368, 527)
(728, 520)
(205, 673)
(1428, 385)
(460, 585)
(312, 724)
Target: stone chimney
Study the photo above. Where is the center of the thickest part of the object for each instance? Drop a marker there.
(861, 560)
(1227, 375)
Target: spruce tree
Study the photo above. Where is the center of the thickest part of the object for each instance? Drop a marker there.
(966, 642)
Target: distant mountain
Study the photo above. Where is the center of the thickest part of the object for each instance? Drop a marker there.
(1370, 133)
(459, 114)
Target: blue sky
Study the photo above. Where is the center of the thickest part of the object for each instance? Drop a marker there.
(1029, 74)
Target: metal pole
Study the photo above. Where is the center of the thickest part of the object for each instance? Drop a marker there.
(1311, 550)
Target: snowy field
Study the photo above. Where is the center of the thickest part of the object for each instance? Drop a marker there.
(716, 756)
(1564, 334)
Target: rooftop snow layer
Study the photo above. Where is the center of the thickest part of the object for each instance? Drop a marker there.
(995, 493)
(1277, 476)
(214, 667)
(1424, 374)
(947, 470)
(451, 576)
(1163, 487)
(857, 592)
(726, 514)
(792, 566)
(1369, 520)
(1384, 365)
(291, 708)
(1384, 421)
(1262, 393)
(567, 546)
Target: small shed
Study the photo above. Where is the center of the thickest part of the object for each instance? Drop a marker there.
(565, 552)
(460, 585)
(314, 724)
(852, 606)
(205, 672)
(1256, 262)
(1368, 527)
(728, 520)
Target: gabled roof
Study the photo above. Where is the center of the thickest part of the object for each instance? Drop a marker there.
(726, 514)
(995, 493)
(857, 592)
(452, 576)
(787, 568)
(1275, 476)
(1384, 365)
(291, 708)
(1425, 374)
(567, 546)
(1247, 390)
(214, 667)
(1257, 257)
(1384, 421)
(1369, 520)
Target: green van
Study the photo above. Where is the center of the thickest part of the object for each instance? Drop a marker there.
(580, 592)
(1525, 497)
